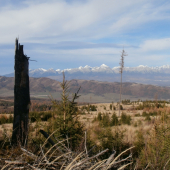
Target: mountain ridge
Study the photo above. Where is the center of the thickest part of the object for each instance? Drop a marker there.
(141, 74)
(104, 68)
(45, 85)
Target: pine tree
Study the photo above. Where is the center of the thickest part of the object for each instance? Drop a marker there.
(67, 117)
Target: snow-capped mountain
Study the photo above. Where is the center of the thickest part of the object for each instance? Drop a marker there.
(165, 69)
(140, 74)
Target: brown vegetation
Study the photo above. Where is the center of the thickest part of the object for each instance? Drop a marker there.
(146, 129)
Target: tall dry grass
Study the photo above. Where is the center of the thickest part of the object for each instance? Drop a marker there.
(59, 156)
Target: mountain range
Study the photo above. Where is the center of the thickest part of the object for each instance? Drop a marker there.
(141, 74)
(90, 89)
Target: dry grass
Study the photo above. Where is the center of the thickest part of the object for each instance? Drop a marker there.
(59, 161)
(87, 119)
(61, 157)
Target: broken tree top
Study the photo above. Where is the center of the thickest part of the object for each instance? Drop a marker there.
(19, 49)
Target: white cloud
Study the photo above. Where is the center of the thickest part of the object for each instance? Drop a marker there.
(88, 19)
(156, 44)
(57, 23)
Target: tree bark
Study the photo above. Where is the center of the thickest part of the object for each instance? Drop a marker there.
(21, 97)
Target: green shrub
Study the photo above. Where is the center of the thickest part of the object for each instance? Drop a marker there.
(144, 114)
(99, 116)
(139, 143)
(137, 115)
(93, 108)
(82, 113)
(126, 101)
(125, 119)
(151, 104)
(4, 119)
(121, 107)
(89, 108)
(111, 106)
(156, 152)
(45, 116)
(10, 119)
(105, 120)
(148, 118)
(114, 120)
(113, 140)
(35, 116)
(154, 113)
(164, 117)
(40, 116)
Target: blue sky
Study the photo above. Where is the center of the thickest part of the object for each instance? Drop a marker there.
(64, 34)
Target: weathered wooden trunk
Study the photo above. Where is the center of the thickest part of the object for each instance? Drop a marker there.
(21, 97)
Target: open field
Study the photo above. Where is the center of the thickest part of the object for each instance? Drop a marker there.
(88, 116)
(105, 129)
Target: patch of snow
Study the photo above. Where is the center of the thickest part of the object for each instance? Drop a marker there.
(106, 69)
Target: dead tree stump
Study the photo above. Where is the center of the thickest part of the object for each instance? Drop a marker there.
(21, 97)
